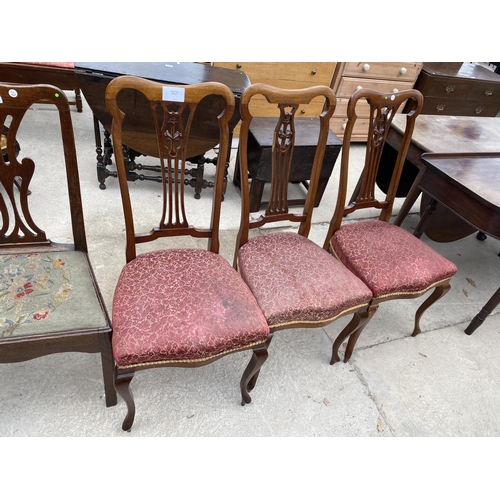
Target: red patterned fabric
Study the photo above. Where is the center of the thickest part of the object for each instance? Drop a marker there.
(182, 305)
(389, 259)
(296, 281)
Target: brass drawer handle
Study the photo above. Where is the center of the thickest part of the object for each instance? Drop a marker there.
(313, 72)
(440, 107)
(488, 92)
(450, 88)
(238, 65)
(478, 109)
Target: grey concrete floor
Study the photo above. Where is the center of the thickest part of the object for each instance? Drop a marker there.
(441, 383)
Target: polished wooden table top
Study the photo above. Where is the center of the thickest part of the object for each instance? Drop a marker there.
(444, 134)
(139, 130)
(450, 134)
(468, 184)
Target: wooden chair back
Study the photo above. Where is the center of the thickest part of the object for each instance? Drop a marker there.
(288, 102)
(19, 228)
(173, 108)
(383, 108)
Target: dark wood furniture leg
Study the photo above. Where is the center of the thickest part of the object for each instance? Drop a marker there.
(256, 192)
(78, 100)
(484, 313)
(101, 163)
(410, 199)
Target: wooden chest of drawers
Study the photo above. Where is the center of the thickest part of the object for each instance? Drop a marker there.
(381, 76)
(462, 89)
(293, 75)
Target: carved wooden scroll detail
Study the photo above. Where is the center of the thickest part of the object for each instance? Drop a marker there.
(283, 145)
(172, 130)
(17, 225)
(380, 122)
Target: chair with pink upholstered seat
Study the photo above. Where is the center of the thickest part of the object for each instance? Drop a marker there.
(182, 307)
(296, 283)
(392, 262)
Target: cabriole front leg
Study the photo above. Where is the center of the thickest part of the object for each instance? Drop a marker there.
(249, 378)
(122, 386)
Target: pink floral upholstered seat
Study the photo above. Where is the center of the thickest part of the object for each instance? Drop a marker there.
(393, 263)
(182, 305)
(390, 260)
(296, 282)
(178, 306)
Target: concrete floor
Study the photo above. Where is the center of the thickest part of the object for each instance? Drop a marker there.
(441, 383)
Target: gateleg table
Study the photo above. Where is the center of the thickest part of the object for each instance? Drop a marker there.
(468, 185)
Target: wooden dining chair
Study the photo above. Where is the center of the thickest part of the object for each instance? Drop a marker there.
(297, 284)
(49, 301)
(392, 262)
(178, 307)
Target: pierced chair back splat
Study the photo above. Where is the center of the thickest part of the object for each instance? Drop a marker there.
(178, 307)
(50, 300)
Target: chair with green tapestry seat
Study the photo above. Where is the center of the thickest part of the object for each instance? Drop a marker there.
(49, 298)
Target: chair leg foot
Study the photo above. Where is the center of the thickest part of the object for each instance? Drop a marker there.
(366, 316)
(353, 331)
(484, 313)
(351, 326)
(438, 292)
(251, 373)
(122, 385)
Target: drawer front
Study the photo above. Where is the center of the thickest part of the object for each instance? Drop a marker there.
(399, 71)
(487, 92)
(260, 107)
(362, 109)
(437, 106)
(448, 88)
(360, 131)
(348, 86)
(285, 75)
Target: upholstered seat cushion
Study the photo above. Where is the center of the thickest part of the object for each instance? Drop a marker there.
(47, 292)
(296, 281)
(389, 259)
(182, 305)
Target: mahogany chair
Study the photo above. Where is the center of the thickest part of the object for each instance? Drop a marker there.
(392, 262)
(178, 307)
(296, 283)
(50, 301)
